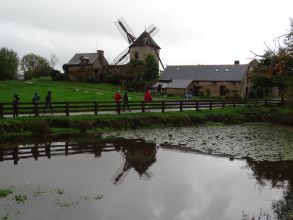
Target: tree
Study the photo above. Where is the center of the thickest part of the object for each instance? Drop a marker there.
(33, 65)
(8, 64)
(276, 66)
(151, 69)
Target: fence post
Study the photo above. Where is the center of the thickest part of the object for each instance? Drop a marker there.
(67, 109)
(181, 106)
(36, 108)
(143, 107)
(211, 104)
(66, 148)
(118, 108)
(96, 108)
(223, 104)
(266, 102)
(163, 106)
(234, 103)
(1, 110)
(196, 105)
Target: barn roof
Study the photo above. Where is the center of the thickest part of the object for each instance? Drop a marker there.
(205, 72)
(176, 83)
(143, 40)
(92, 57)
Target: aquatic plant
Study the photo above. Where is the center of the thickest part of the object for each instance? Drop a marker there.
(5, 192)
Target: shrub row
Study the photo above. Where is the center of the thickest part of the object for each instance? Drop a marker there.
(43, 125)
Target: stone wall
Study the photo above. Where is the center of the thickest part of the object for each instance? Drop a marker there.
(80, 73)
(141, 53)
(200, 88)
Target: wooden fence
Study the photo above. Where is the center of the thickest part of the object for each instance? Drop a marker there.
(67, 108)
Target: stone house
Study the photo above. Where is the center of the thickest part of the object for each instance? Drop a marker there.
(207, 80)
(86, 66)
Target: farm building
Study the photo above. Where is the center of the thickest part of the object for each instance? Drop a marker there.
(86, 66)
(207, 80)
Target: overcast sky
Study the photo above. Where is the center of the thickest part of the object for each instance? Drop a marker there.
(191, 32)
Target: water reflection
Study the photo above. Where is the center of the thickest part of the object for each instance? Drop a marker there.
(277, 174)
(137, 154)
(183, 186)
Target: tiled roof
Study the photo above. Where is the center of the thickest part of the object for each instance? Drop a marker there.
(205, 72)
(143, 40)
(75, 60)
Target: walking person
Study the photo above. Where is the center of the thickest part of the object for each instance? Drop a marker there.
(125, 102)
(118, 99)
(36, 98)
(15, 105)
(48, 102)
(147, 96)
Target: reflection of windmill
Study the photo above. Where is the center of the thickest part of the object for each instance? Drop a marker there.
(140, 159)
(139, 48)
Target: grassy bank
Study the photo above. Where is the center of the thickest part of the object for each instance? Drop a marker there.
(61, 91)
(90, 124)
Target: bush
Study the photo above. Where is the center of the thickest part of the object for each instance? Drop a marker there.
(82, 126)
(57, 75)
(40, 127)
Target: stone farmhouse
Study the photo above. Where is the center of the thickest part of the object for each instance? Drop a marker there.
(86, 66)
(207, 80)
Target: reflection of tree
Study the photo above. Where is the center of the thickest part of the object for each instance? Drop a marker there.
(278, 174)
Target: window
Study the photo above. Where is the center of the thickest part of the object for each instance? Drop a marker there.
(222, 90)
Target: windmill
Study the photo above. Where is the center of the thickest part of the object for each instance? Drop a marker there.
(139, 157)
(134, 50)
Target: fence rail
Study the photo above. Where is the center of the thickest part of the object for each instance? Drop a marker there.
(94, 107)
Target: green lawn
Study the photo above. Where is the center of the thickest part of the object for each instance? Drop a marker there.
(62, 91)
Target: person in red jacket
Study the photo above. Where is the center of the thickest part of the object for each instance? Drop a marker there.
(148, 96)
(118, 97)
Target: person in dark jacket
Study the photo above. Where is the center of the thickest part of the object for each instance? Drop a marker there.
(125, 101)
(48, 102)
(15, 105)
(36, 98)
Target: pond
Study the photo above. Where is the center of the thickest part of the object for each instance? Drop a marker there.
(151, 174)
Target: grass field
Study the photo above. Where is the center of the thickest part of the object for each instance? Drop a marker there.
(62, 91)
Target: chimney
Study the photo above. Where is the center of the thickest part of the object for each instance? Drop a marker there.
(236, 62)
(100, 53)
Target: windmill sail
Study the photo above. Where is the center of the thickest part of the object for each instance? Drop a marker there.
(125, 30)
(152, 30)
(122, 57)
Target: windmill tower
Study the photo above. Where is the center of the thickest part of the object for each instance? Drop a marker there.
(139, 48)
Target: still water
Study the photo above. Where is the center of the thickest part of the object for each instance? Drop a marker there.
(132, 179)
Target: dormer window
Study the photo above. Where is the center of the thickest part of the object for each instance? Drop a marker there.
(217, 69)
(227, 70)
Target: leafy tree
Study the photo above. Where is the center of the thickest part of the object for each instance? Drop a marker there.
(151, 69)
(276, 67)
(33, 65)
(8, 64)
